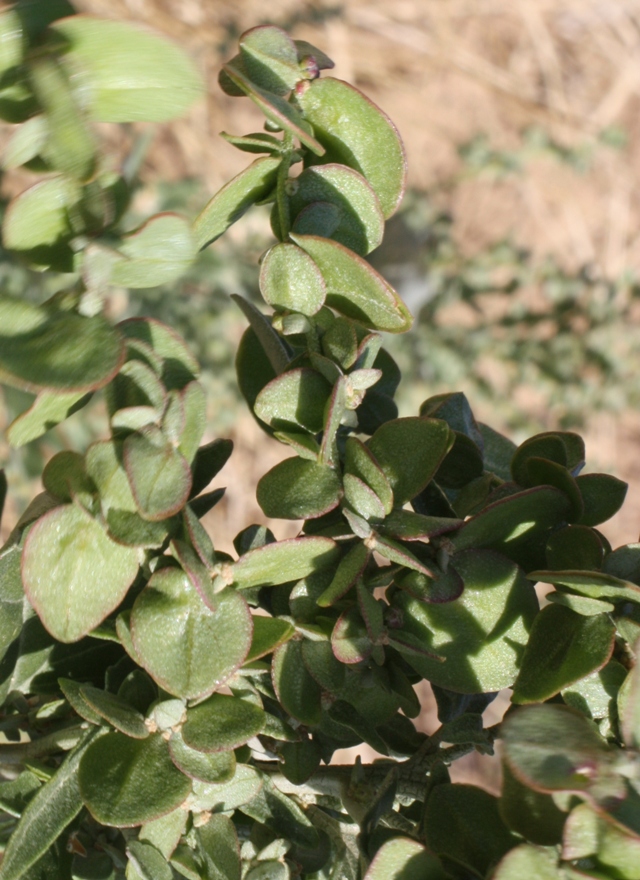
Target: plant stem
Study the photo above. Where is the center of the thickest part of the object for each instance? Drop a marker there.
(281, 191)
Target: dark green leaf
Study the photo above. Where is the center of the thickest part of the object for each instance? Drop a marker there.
(48, 813)
(210, 767)
(115, 711)
(270, 58)
(575, 547)
(553, 748)
(126, 782)
(299, 489)
(296, 689)
(268, 634)
(409, 451)
(603, 496)
(530, 813)
(221, 723)
(209, 460)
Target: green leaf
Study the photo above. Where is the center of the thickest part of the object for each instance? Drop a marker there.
(530, 813)
(116, 712)
(74, 575)
(256, 142)
(362, 498)
(357, 133)
(481, 634)
(103, 462)
(548, 473)
(295, 398)
(463, 824)
(354, 288)
(360, 223)
(37, 223)
(299, 489)
(409, 451)
(594, 584)
(227, 796)
(270, 58)
(360, 461)
(126, 782)
(268, 634)
(405, 525)
(297, 691)
(603, 496)
(46, 816)
(516, 526)
(528, 861)
(159, 476)
(26, 143)
(188, 648)
(283, 561)
(348, 572)
(16, 793)
(165, 832)
(47, 410)
(498, 452)
(222, 723)
(148, 861)
(440, 586)
(211, 767)
(130, 75)
(553, 748)
(563, 647)
(179, 367)
(596, 694)
(219, 841)
(350, 640)
(11, 40)
(281, 814)
(234, 199)
(404, 859)
(11, 595)
(275, 108)
(575, 547)
(69, 145)
(290, 280)
(158, 252)
(42, 349)
(209, 461)
(273, 346)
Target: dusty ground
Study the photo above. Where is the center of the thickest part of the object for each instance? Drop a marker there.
(446, 70)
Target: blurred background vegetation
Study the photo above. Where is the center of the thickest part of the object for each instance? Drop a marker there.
(517, 247)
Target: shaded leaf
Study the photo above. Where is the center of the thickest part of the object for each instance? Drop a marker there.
(603, 496)
(409, 451)
(296, 689)
(210, 767)
(222, 723)
(295, 398)
(159, 476)
(563, 647)
(290, 280)
(299, 489)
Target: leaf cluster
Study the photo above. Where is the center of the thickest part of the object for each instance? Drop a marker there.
(172, 711)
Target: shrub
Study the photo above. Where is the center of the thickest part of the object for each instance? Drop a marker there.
(180, 707)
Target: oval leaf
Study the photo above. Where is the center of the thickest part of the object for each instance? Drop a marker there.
(74, 575)
(354, 288)
(299, 489)
(186, 647)
(159, 476)
(127, 73)
(46, 350)
(222, 723)
(355, 132)
(284, 561)
(290, 280)
(234, 199)
(159, 252)
(125, 782)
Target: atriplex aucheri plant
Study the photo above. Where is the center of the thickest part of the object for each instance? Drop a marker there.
(171, 711)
